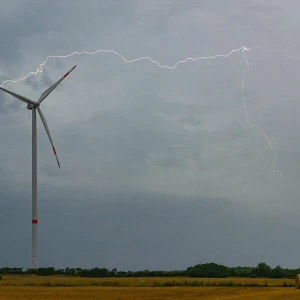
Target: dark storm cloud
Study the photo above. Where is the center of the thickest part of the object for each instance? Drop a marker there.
(127, 143)
(123, 127)
(38, 83)
(31, 19)
(3, 78)
(46, 80)
(130, 231)
(9, 105)
(35, 22)
(33, 82)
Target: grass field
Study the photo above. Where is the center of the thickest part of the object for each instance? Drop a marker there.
(62, 287)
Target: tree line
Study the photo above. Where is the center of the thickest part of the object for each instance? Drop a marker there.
(207, 270)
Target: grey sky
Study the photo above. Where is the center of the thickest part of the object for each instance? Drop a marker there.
(152, 159)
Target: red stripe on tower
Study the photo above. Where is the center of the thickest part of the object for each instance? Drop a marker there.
(34, 221)
(54, 150)
(66, 74)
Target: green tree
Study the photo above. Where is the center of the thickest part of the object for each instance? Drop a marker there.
(277, 272)
(208, 270)
(45, 271)
(263, 270)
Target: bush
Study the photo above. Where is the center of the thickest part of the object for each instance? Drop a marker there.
(0, 277)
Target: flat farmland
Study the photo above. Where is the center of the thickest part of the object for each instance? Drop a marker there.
(64, 287)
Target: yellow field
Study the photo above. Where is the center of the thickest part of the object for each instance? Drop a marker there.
(62, 287)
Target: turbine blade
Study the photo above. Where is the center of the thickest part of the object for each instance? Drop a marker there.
(22, 98)
(51, 88)
(48, 133)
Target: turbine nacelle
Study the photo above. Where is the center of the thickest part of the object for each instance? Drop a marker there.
(30, 106)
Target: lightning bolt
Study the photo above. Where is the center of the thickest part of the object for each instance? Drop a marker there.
(242, 49)
(40, 69)
(274, 170)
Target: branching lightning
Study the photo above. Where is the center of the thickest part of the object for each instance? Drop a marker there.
(274, 170)
(242, 49)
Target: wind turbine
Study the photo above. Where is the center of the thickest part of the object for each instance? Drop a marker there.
(35, 106)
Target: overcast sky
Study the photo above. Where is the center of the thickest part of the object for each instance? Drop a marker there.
(161, 168)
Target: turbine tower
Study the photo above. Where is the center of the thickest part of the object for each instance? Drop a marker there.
(35, 106)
